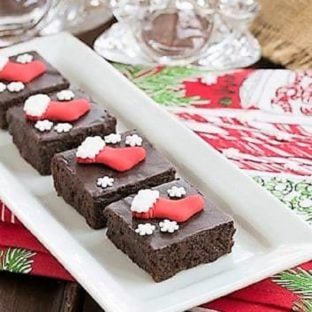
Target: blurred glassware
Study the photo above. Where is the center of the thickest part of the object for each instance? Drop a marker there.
(76, 16)
(19, 19)
(210, 33)
(22, 19)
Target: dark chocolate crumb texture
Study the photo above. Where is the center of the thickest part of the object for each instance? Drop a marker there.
(169, 228)
(106, 169)
(49, 124)
(23, 75)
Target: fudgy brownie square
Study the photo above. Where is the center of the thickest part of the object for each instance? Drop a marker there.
(89, 188)
(38, 140)
(180, 231)
(23, 75)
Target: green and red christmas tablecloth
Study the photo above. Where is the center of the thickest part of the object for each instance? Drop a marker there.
(259, 119)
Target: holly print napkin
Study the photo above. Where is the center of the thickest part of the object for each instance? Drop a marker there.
(21, 252)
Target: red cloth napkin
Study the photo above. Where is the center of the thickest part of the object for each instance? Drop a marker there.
(18, 245)
(265, 296)
(268, 296)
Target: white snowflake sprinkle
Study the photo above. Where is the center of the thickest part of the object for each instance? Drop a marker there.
(112, 138)
(90, 147)
(24, 58)
(3, 61)
(15, 86)
(144, 200)
(231, 152)
(176, 191)
(105, 182)
(63, 127)
(145, 229)
(44, 125)
(209, 79)
(65, 95)
(2, 87)
(134, 140)
(168, 226)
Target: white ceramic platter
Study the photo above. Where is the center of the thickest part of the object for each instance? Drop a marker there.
(269, 237)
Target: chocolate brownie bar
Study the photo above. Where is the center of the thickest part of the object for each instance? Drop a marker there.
(23, 75)
(38, 141)
(89, 188)
(165, 247)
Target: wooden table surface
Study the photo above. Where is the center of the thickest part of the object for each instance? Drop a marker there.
(24, 293)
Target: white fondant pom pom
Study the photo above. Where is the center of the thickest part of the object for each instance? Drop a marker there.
(90, 147)
(112, 138)
(36, 105)
(2, 87)
(145, 229)
(65, 95)
(24, 58)
(144, 200)
(63, 127)
(15, 86)
(44, 125)
(3, 61)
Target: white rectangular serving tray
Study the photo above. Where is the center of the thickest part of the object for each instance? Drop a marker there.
(269, 237)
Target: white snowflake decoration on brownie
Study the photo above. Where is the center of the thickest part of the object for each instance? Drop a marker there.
(3, 61)
(168, 226)
(15, 86)
(2, 87)
(65, 95)
(105, 182)
(176, 192)
(90, 147)
(44, 125)
(36, 105)
(134, 140)
(144, 200)
(145, 229)
(24, 58)
(112, 138)
(63, 127)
